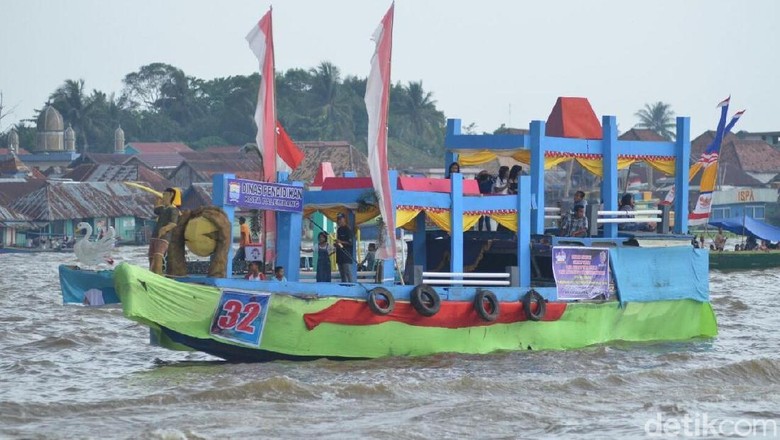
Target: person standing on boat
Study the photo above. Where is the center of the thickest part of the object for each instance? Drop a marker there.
(720, 240)
(324, 252)
(512, 180)
(501, 184)
(167, 217)
(245, 239)
(485, 183)
(454, 168)
(344, 240)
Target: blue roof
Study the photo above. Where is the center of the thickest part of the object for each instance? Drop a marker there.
(47, 157)
(748, 226)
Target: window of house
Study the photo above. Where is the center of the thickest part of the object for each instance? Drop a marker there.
(721, 213)
(756, 212)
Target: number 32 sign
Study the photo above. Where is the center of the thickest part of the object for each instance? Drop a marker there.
(240, 317)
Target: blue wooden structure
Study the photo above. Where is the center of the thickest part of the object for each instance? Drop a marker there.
(529, 203)
(609, 147)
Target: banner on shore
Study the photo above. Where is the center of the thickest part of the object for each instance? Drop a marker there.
(580, 272)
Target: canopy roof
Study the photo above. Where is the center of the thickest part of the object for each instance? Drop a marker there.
(748, 226)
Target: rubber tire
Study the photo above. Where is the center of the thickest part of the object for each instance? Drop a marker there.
(531, 297)
(373, 302)
(422, 295)
(479, 305)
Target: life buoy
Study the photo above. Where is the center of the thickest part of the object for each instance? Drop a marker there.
(425, 300)
(487, 306)
(541, 307)
(380, 301)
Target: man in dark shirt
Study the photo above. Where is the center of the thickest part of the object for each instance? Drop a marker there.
(167, 217)
(344, 250)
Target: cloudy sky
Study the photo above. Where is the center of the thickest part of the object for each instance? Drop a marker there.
(487, 62)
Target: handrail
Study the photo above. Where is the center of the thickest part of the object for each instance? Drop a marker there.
(468, 282)
(464, 275)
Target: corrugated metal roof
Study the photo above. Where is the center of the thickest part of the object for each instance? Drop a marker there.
(160, 160)
(205, 165)
(12, 190)
(159, 147)
(342, 155)
(74, 200)
(641, 134)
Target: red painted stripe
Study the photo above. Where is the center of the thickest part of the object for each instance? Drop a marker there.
(453, 314)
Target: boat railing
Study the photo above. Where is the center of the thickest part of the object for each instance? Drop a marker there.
(554, 213)
(466, 278)
(639, 216)
(362, 276)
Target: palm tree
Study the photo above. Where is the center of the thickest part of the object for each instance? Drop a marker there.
(331, 102)
(658, 117)
(76, 108)
(418, 119)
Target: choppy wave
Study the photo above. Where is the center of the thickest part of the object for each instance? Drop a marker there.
(77, 372)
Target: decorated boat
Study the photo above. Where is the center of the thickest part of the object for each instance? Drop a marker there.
(605, 287)
(521, 288)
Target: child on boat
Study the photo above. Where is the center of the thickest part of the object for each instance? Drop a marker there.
(324, 252)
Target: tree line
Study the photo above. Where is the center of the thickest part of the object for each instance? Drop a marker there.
(159, 102)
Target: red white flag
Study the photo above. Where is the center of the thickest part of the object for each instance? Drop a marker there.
(377, 100)
(261, 41)
(289, 154)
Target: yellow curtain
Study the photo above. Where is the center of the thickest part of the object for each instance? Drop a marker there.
(476, 157)
(404, 217)
(506, 219)
(664, 165)
(331, 213)
(441, 219)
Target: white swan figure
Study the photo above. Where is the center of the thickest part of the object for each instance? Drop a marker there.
(93, 252)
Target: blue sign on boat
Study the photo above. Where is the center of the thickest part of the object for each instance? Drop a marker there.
(252, 194)
(580, 272)
(240, 317)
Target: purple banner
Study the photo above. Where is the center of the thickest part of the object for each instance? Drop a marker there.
(580, 272)
(264, 196)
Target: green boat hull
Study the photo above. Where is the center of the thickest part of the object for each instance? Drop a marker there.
(180, 315)
(744, 260)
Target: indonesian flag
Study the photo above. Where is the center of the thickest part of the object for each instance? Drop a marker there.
(701, 213)
(261, 41)
(289, 155)
(377, 99)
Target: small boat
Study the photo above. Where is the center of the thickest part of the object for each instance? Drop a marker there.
(754, 257)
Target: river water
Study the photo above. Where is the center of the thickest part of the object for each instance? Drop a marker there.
(76, 372)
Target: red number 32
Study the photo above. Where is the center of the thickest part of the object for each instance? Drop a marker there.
(239, 315)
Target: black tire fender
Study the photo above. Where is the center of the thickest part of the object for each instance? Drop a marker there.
(377, 295)
(487, 306)
(541, 306)
(425, 300)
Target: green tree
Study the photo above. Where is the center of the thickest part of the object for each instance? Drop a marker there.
(658, 117)
(418, 121)
(76, 109)
(331, 103)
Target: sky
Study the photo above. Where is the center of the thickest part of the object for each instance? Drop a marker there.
(486, 62)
